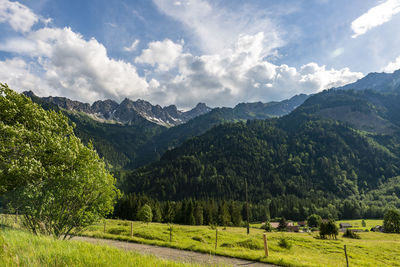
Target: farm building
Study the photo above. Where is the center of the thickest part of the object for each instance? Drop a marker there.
(345, 225)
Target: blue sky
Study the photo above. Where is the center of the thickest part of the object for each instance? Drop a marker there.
(187, 51)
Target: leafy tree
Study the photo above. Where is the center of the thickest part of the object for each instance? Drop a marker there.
(314, 220)
(328, 228)
(198, 214)
(267, 226)
(51, 178)
(282, 224)
(169, 213)
(145, 214)
(157, 216)
(391, 221)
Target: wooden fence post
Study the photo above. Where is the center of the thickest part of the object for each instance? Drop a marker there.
(266, 245)
(216, 238)
(345, 253)
(131, 229)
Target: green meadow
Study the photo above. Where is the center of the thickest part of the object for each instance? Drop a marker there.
(20, 248)
(373, 249)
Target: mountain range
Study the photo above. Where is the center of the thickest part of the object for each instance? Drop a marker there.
(335, 150)
(128, 112)
(133, 133)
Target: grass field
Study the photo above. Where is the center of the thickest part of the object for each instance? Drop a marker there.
(19, 248)
(373, 249)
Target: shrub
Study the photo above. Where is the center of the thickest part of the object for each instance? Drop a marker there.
(284, 243)
(363, 223)
(351, 234)
(145, 214)
(266, 226)
(282, 225)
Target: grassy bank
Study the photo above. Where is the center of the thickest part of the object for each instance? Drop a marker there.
(373, 249)
(19, 248)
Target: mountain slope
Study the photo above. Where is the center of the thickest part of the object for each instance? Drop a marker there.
(380, 82)
(337, 144)
(175, 136)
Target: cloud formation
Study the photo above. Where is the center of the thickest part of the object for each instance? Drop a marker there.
(132, 47)
(20, 17)
(74, 67)
(162, 54)
(392, 66)
(375, 16)
(216, 28)
(244, 75)
(59, 61)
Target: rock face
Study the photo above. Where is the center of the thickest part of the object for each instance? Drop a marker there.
(128, 111)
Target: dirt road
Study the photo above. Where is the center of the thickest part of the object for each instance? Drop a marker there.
(174, 254)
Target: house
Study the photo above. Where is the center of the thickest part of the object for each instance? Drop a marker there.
(301, 224)
(345, 225)
(377, 228)
(274, 224)
(290, 224)
(293, 228)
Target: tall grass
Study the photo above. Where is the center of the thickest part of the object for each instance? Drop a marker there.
(19, 248)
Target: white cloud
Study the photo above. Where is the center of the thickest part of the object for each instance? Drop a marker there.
(82, 69)
(375, 16)
(132, 47)
(216, 28)
(21, 76)
(20, 17)
(163, 54)
(62, 62)
(392, 66)
(78, 68)
(244, 75)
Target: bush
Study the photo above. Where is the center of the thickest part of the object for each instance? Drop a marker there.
(145, 214)
(267, 227)
(284, 243)
(282, 225)
(351, 234)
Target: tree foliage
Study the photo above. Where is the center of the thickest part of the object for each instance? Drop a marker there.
(314, 220)
(328, 229)
(145, 214)
(51, 178)
(391, 221)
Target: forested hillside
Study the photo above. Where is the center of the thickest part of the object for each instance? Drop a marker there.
(309, 154)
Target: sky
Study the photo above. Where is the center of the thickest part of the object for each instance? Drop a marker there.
(182, 52)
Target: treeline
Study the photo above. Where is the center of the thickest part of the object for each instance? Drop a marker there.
(233, 213)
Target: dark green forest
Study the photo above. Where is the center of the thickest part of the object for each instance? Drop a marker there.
(303, 161)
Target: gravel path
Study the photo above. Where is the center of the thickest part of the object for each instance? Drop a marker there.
(174, 254)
